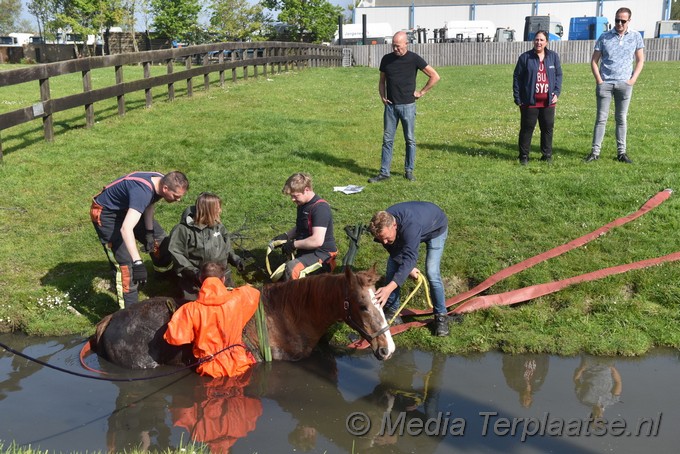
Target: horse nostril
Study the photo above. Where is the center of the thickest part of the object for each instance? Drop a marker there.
(383, 353)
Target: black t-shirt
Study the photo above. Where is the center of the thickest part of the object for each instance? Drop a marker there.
(401, 73)
(315, 213)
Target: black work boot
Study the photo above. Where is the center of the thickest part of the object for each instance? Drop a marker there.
(441, 325)
(390, 314)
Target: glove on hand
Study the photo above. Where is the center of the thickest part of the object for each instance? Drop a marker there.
(288, 247)
(150, 241)
(139, 274)
(240, 265)
(277, 239)
(283, 236)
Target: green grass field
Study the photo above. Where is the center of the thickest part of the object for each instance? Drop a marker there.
(242, 141)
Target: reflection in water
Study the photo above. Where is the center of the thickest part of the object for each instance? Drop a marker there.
(597, 384)
(304, 406)
(525, 373)
(406, 392)
(309, 392)
(20, 368)
(218, 413)
(138, 421)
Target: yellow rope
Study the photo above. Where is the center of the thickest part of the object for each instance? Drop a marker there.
(278, 273)
(421, 281)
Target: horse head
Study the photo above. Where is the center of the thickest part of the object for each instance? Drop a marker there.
(363, 314)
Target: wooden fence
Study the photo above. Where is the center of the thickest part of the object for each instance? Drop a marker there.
(473, 53)
(209, 59)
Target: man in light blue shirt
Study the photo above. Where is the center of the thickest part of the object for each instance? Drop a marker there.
(612, 66)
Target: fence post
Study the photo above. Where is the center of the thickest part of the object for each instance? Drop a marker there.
(190, 82)
(265, 54)
(89, 108)
(121, 98)
(206, 76)
(220, 60)
(147, 91)
(171, 86)
(279, 52)
(255, 71)
(233, 70)
(48, 123)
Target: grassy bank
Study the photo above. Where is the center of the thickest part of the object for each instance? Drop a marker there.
(244, 140)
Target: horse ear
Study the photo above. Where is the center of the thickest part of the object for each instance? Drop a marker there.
(348, 272)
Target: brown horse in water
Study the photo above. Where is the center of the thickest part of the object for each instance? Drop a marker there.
(298, 314)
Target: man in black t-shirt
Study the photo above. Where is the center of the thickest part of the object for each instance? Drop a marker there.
(397, 87)
(312, 237)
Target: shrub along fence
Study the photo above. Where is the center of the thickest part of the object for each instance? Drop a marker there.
(209, 59)
(474, 53)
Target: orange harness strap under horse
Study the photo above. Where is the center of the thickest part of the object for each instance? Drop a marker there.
(535, 291)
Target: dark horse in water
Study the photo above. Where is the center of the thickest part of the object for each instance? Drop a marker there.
(298, 314)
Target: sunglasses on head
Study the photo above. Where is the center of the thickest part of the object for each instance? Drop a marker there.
(621, 21)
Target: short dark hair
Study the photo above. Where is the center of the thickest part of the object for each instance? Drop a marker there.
(175, 180)
(212, 269)
(624, 10)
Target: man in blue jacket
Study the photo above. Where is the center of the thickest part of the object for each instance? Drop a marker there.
(400, 229)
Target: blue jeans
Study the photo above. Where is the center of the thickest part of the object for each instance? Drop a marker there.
(391, 117)
(621, 92)
(435, 250)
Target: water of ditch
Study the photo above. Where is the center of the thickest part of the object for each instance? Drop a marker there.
(347, 403)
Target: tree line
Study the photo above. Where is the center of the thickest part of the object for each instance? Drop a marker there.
(188, 21)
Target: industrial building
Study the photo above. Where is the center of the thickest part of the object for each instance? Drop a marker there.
(434, 14)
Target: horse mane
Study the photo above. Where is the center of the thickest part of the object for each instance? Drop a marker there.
(298, 297)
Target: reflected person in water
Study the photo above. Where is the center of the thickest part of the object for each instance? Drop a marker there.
(138, 422)
(525, 373)
(405, 389)
(597, 384)
(219, 413)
